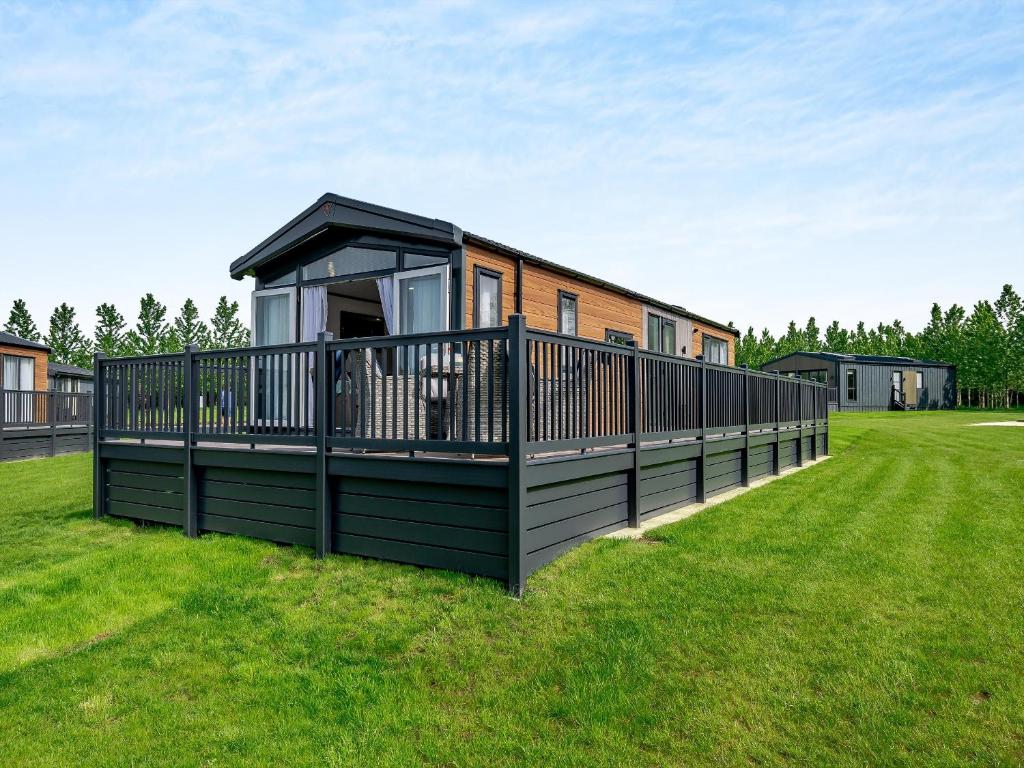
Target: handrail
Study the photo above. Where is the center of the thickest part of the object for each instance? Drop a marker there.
(382, 393)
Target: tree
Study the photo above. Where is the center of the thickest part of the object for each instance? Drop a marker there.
(931, 338)
(836, 339)
(860, 344)
(768, 348)
(150, 335)
(109, 334)
(1010, 311)
(812, 336)
(983, 352)
(226, 330)
(20, 322)
(67, 343)
(746, 349)
(793, 341)
(188, 328)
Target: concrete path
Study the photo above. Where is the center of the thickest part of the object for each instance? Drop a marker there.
(689, 510)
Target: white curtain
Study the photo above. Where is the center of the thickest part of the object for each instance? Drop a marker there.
(385, 287)
(314, 311)
(314, 322)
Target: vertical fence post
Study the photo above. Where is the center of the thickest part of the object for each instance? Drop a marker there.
(776, 461)
(3, 418)
(814, 417)
(745, 466)
(518, 410)
(324, 508)
(98, 398)
(633, 399)
(800, 422)
(825, 446)
(51, 420)
(702, 495)
(190, 390)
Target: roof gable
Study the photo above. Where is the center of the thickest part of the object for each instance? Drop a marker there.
(344, 212)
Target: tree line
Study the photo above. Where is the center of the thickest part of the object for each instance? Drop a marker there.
(986, 346)
(152, 333)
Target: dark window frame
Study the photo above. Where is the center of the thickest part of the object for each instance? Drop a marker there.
(576, 309)
(851, 397)
(662, 322)
(624, 335)
(705, 338)
(479, 271)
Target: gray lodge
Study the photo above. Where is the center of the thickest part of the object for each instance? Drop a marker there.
(874, 382)
(421, 394)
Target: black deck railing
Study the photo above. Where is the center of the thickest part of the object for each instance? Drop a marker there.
(28, 410)
(448, 392)
(44, 423)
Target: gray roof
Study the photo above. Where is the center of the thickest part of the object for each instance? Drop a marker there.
(839, 357)
(16, 341)
(68, 371)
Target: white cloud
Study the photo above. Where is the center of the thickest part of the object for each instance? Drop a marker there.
(650, 144)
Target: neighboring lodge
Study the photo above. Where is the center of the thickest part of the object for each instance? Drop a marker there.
(45, 408)
(874, 382)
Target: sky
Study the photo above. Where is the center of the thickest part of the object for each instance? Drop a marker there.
(752, 162)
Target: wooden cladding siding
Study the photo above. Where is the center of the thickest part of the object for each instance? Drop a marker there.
(41, 360)
(597, 308)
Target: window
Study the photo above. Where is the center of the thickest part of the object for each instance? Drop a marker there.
(567, 313)
(413, 260)
(19, 373)
(851, 384)
(661, 334)
(617, 337)
(350, 260)
(486, 298)
(273, 316)
(920, 379)
(288, 278)
(715, 350)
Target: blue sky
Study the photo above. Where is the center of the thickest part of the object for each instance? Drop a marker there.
(753, 162)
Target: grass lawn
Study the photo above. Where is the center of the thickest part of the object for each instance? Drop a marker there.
(869, 610)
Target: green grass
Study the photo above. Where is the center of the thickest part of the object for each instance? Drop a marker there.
(869, 610)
